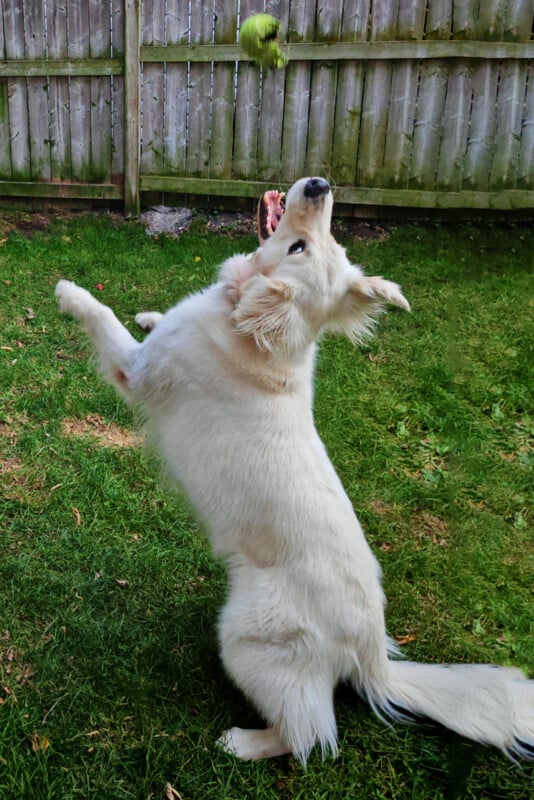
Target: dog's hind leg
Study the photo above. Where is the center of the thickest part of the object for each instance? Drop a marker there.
(252, 745)
(289, 680)
(115, 346)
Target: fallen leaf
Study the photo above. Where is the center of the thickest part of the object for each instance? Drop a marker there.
(402, 640)
(30, 313)
(5, 347)
(40, 744)
(121, 582)
(77, 516)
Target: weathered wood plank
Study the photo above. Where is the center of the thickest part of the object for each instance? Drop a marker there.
(58, 94)
(525, 168)
(464, 15)
(519, 21)
(430, 101)
(63, 190)
(455, 127)
(349, 95)
(247, 107)
(438, 19)
(375, 100)
(513, 199)
(100, 88)
(198, 146)
(490, 20)
(17, 92)
(75, 67)
(175, 134)
(337, 51)
(132, 106)
(402, 101)
(323, 94)
(117, 94)
(153, 90)
(481, 140)
(34, 33)
(271, 117)
(509, 124)
(79, 92)
(222, 121)
(297, 93)
(5, 149)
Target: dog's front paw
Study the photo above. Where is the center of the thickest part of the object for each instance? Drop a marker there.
(147, 320)
(73, 299)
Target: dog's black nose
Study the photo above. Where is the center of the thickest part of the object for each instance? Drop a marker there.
(315, 187)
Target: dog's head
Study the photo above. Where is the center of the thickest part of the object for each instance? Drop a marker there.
(299, 282)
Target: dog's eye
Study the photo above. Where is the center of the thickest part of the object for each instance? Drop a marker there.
(297, 247)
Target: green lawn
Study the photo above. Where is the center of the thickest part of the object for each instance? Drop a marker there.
(110, 683)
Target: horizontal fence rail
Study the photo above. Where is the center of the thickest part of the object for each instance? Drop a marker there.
(424, 104)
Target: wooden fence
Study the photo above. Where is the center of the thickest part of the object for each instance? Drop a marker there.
(422, 103)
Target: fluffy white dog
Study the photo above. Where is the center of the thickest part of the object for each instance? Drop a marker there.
(225, 382)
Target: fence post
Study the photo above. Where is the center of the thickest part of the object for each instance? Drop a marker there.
(132, 79)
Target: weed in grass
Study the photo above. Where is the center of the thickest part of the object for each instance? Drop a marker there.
(110, 683)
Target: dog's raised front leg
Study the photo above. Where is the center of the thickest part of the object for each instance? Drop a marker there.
(147, 320)
(115, 346)
(252, 745)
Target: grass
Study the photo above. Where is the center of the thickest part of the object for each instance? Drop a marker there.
(110, 683)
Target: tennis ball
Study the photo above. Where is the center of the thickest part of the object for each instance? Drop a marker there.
(258, 37)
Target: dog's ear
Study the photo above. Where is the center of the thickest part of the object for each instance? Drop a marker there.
(267, 312)
(363, 299)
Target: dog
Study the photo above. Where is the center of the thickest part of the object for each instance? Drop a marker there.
(225, 381)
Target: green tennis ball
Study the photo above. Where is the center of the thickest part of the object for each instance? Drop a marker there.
(258, 37)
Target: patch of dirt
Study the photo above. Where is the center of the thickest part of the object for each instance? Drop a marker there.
(382, 508)
(232, 223)
(167, 220)
(427, 526)
(107, 434)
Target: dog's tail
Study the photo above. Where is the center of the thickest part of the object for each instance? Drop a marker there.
(492, 705)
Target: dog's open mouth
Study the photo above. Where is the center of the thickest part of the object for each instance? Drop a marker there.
(271, 209)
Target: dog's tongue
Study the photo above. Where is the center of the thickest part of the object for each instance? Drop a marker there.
(270, 211)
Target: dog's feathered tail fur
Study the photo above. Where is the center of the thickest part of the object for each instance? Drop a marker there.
(225, 382)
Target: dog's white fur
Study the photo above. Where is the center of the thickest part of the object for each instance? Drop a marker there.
(225, 381)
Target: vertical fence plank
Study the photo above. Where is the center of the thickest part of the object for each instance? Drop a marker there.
(79, 92)
(525, 169)
(35, 36)
(519, 21)
(58, 95)
(247, 108)
(132, 96)
(349, 94)
(5, 149)
(430, 101)
(465, 15)
(100, 47)
(455, 127)
(117, 92)
(222, 121)
(17, 93)
(198, 146)
(323, 93)
(509, 124)
(402, 101)
(175, 135)
(153, 91)
(375, 100)
(438, 19)
(271, 118)
(481, 141)
(489, 25)
(297, 93)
